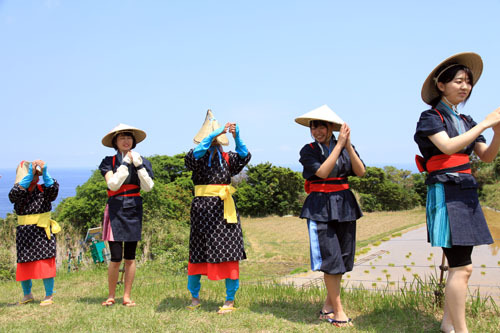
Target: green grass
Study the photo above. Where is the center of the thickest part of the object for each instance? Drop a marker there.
(264, 304)
(162, 297)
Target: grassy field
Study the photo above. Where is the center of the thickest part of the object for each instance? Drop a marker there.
(276, 246)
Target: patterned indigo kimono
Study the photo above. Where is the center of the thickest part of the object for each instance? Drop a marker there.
(31, 241)
(212, 239)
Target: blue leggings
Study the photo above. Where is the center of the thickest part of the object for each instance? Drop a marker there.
(194, 286)
(48, 284)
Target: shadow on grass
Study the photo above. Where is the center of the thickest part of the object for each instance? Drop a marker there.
(181, 303)
(399, 319)
(96, 300)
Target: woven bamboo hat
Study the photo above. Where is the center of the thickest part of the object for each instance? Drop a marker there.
(22, 171)
(322, 113)
(470, 60)
(209, 125)
(139, 135)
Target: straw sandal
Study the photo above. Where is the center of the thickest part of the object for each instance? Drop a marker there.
(26, 301)
(108, 302)
(226, 309)
(193, 307)
(129, 303)
(46, 302)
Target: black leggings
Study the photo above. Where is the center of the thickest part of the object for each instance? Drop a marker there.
(458, 256)
(117, 249)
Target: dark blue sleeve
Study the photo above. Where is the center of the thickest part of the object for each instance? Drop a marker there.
(106, 165)
(148, 167)
(472, 123)
(345, 167)
(430, 123)
(309, 161)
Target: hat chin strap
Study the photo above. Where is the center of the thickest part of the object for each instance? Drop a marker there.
(454, 107)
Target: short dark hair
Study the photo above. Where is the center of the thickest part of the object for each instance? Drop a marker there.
(316, 123)
(113, 142)
(447, 76)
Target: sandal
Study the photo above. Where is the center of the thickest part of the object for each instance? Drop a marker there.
(324, 315)
(226, 309)
(193, 307)
(129, 303)
(26, 301)
(46, 302)
(341, 323)
(108, 302)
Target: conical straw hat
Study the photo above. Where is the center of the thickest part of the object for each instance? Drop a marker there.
(468, 59)
(322, 113)
(139, 135)
(22, 171)
(209, 125)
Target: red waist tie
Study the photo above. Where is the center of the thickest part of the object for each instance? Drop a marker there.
(443, 162)
(127, 190)
(326, 185)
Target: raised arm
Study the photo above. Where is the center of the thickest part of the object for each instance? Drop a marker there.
(453, 145)
(327, 166)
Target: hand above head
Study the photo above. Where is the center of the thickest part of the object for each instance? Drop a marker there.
(38, 165)
(203, 146)
(234, 129)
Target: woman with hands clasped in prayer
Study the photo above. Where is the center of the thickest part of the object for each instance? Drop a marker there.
(126, 173)
(446, 138)
(330, 208)
(216, 240)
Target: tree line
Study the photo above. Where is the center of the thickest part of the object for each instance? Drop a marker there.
(262, 189)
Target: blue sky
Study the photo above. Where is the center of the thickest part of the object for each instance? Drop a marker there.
(72, 70)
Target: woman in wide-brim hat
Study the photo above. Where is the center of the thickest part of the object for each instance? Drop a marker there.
(126, 174)
(35, 233)
(330, 208)
(216, 240)
(446, 138)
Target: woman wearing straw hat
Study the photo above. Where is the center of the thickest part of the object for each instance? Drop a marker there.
(330, 208)
(126, 173)
(446, 138)
(216, 240)
(35, 239)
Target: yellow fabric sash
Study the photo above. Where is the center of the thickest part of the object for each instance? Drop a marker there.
(41, 220)
(224, 192)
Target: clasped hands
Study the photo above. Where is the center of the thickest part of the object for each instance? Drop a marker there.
(231, 128)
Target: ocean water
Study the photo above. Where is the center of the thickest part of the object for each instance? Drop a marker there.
(68, 180)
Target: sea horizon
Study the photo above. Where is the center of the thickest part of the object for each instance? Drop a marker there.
(68, 180)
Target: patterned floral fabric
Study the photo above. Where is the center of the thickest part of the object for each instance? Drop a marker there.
(212, 239)
(31, 241)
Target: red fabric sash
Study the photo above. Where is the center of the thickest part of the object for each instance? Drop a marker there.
(440, 162)
(326, 185)
(126, 188)
(443, 161)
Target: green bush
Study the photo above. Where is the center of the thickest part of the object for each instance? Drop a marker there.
(270, 190)
(390, 189)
